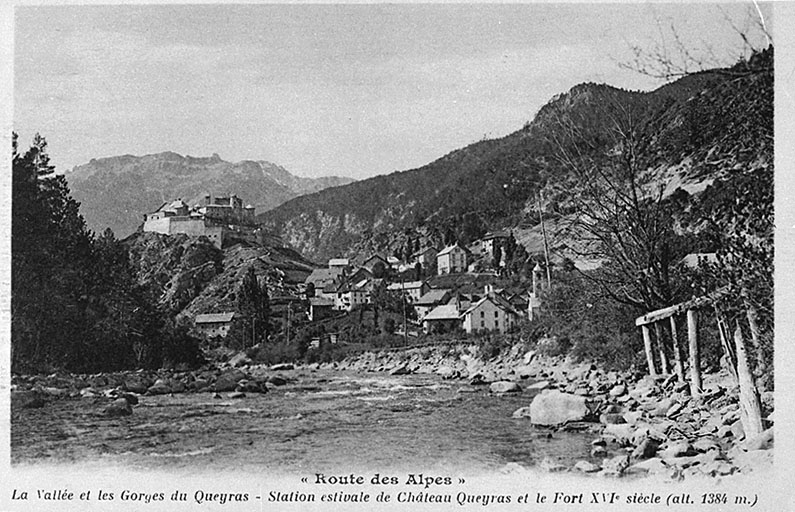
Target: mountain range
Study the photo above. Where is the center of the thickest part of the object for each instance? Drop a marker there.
(694, 130)
(117, 191)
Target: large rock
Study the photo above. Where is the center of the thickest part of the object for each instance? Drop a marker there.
(137, 384)
(615, 466)
(228, 380)
(118, 407)
(505, 386)
(555, 408)
(160, 387)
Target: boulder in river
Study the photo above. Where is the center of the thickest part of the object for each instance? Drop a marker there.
(505, 386)
(118, 407)
(555, 408)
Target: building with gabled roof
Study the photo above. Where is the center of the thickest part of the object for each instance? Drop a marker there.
(412, 289)
(441, 319)
(451, 260)
(491, 313)
(211, 325)
(430, 300)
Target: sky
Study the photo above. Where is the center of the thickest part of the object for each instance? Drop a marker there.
(350, 90)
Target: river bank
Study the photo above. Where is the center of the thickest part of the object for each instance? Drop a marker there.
(634, 424)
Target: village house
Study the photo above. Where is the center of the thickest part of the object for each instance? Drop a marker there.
(341, 263)
(412, 289)
(322, 277)
(369, 285)
(425, 257)
(451, 260)
(211, 325)
(493, 240)
(430, 300)
(320, 308)
(375, 261)
(491, 313)
(442, 319)
(216, 217)
(348, 297)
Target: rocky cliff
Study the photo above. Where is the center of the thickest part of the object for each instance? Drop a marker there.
(190, 276)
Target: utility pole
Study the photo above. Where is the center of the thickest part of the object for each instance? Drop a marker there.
(546, 244)
(405, 331)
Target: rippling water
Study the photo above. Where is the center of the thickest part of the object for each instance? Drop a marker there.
(325, 421)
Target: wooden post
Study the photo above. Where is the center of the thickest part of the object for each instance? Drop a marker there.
(680, 371)
(649, 353)
(750, 409)
(728, 350)
(658, 333)
(695, 360)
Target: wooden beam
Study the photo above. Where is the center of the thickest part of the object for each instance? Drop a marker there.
(649, 353)
(662, 314)
(695, 360)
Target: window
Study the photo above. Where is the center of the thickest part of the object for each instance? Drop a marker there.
(483, 323)
(482, 314)
(496, 314)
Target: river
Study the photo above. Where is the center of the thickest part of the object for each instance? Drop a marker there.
(322, 421)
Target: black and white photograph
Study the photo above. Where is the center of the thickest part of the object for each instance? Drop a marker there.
(392, 255)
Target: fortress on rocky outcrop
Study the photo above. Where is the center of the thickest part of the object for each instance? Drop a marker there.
(216, 217)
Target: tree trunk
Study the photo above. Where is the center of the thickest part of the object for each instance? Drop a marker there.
(658, 332)
(649, 353)
(680, 371)
(750, 409)
(695, 360)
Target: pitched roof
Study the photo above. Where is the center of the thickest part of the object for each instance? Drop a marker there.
(408, 285)
(214, 318)
(497, 301)
(323, 274)
(443, 312)
(502, 233)
(449, 249)
(432, 297)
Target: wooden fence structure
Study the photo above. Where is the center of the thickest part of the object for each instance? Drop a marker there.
(735, 352)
